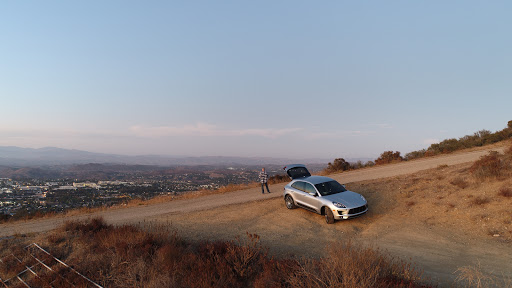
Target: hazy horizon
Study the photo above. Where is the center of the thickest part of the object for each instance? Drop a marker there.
(166, 155)
(287, 79)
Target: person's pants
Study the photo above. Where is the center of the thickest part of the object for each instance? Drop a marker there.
(262, 188)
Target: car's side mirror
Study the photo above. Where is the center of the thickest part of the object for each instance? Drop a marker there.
(312, 193)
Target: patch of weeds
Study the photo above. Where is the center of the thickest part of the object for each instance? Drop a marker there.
(407, 194)
(55, 238)
(460, 182)
(488, 166)
(480, 201)
(410, 203)
(508, 151)
(505, 192)
(473, 276)
(463, 170)
(127, 256)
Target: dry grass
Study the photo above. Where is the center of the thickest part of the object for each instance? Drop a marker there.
(508, 151)
(472, 276)
(460, 182)
(410, 203)
(154, 256)
(505, 192)
(490, 166)
(447, 198)
(476, 201)
(367, 267)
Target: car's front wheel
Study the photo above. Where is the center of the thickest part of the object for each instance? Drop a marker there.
(329, 217)
(288, 200)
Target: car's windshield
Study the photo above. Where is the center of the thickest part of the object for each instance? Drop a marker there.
(330, 187)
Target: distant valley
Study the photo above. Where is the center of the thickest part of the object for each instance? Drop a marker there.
(21, 157)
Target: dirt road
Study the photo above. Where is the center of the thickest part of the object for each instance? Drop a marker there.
(140, 213)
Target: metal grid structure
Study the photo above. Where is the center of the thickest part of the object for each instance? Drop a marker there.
(35, 267)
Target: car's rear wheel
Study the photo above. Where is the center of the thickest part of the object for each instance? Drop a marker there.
(329, 217)
(288, 200)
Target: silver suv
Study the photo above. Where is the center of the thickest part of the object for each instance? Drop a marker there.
(322, 195)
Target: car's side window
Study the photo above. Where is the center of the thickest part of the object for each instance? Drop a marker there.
(308, 188)
(299, 185)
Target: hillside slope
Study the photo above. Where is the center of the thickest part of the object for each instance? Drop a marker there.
(139, 213)
(417, 212)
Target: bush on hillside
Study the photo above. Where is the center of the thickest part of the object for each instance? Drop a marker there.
(480, 138)
(278, 179)
(369, 164)
(338, 165)
(488, 166)
(415, 154)
(388, 157)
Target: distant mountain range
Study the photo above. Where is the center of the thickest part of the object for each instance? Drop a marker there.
(27, 157)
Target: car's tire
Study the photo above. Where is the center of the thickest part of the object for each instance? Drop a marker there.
(290, 204)
(329, 217)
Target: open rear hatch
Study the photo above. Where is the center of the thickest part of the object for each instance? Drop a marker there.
(297, 171)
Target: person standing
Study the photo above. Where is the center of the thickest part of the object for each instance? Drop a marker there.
(263, 180)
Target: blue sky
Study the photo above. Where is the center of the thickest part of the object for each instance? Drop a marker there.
(252, 78)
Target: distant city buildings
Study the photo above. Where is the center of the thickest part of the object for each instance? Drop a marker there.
(24, 198)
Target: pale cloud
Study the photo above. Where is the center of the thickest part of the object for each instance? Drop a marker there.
(378, 125)
(207, 130)
(384, 126)
(338, 134)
